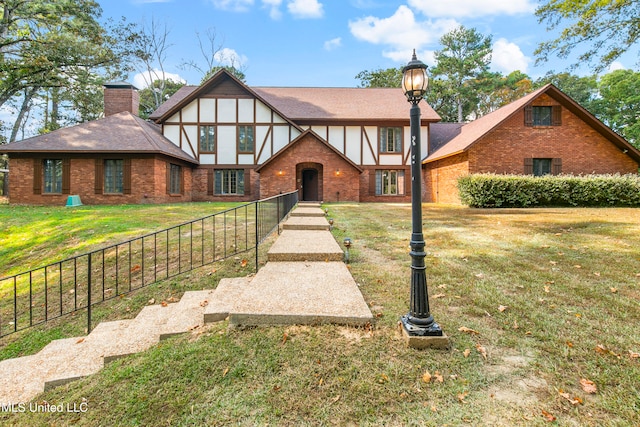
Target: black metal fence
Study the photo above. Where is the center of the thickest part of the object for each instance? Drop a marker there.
(64, 287)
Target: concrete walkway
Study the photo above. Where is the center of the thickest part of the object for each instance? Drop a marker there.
(303, 282)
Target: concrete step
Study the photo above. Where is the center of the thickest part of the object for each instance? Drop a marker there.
(305, 245)
(19, 379)
(188, 313)
(305, 223)
(309, 204)
(308, 211)
(285, 293)
(228, 292)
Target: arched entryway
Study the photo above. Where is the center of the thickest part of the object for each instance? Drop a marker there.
(310, 181)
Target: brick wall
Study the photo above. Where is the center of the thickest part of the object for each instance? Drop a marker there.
(119, 99)
(441, 177)
(582, 149)
(282, 174)
(148, 183)
(200, 190)
(368, 190)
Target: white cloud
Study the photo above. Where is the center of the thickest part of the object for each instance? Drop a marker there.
(508, 57)
(333, 43)
(616, 65)
(305, 9)
(233, 5)
(401, 33)
(142, 80)
(472, 8)
(274, 8)
(230, 57)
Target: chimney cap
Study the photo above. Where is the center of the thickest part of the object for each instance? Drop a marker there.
(120, 85)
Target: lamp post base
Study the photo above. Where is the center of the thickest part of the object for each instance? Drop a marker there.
(421, 338)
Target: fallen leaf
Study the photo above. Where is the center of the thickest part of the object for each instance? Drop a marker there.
(285, 337)
(634, 355)
(204, 303)
(577, 266)
(436, 296)
(244, 263)
(588, 386)
(433, 408)
(596, 274)
(442, 286)
(468, 330)
(601, 349)
(335, 399)
(135, 268)
(502, 308)
(549, 417)
(479, 275)
(438, 376)
(482, 351)
(172, 299)
(426, 377)
(546, 289)
(613, 290)
(80, 340)
(225, 372)
(383, 378)
(569, 344)
(466, 352)
(164, 303)
(515, 324)
(573, 400)
(462, 396)
(553, 262)
(152, 301)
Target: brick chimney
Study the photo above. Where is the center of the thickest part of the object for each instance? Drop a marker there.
(119, 97)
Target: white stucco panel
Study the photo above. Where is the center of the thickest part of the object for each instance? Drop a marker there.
(207, 110)
(190, 112)
(245, 111)
(391, 159)
(336, 138)
(172, 133)
(226, 148)
(207, 159)
(322, 131)
(369, 145)
(263, 113)
(227, 111)
(280, 137)
(245, 159)
(278, 119)
(294, 133)
(354, 143)
(174, 119)
(191, 133)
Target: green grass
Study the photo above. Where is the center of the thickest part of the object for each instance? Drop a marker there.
(569, 279)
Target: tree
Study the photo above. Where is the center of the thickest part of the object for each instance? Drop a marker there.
(465, 55)
(583, 90)
(148, 95)
(230, 68)
(605, 28)
(390, 78)
(619, 102)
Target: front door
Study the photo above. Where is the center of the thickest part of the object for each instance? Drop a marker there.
(310, 185)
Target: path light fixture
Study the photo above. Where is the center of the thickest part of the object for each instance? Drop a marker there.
(347, 242)
(418, 322)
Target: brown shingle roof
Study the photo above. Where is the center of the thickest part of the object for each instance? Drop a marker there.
(303, 104)
(119, 133)
(312, 104)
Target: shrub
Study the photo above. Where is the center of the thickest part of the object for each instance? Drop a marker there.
(490, 190)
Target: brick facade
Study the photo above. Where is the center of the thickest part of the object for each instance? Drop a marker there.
(338, 179)
(119, 98)
(148, 183)
(503, 150)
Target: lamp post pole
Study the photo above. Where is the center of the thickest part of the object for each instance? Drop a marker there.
(419, 321)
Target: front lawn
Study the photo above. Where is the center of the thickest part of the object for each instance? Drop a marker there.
(541, 306)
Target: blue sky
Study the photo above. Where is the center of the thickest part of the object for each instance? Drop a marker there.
(328, 42)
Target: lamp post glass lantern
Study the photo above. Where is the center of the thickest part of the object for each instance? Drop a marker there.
(419, 321)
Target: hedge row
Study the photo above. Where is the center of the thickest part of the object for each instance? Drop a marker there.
(490, 190)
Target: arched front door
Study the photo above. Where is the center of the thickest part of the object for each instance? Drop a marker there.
(310, 185)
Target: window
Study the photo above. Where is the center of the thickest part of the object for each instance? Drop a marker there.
(175, 179)
(229, 181)
(52, 171)
(391, 140)
(541, 167)
(389, 182)
(245, 139)
(543, 115)
(208, 139)
(113, 176)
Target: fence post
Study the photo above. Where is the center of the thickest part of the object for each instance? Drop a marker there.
(89, 294)
(257, 235)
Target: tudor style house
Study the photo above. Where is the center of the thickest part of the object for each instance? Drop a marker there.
(224, 140)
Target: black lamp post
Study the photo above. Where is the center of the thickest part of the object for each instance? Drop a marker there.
(419, 321)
